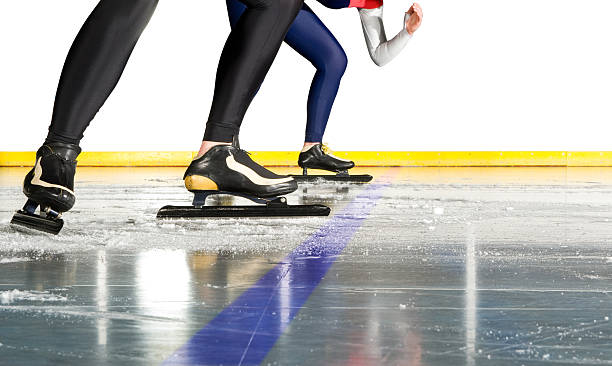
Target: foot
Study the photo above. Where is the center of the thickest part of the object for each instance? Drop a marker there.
(231, 169)
(319, 157)
(51, 182)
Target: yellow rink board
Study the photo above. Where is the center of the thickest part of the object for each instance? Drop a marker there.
(362, 158)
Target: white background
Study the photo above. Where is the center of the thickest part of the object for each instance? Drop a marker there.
(479, 75)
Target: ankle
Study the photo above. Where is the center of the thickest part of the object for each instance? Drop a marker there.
(207, 145)
(309, 145)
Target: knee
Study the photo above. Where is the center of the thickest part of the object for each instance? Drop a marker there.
(341, 61)
(334, 63)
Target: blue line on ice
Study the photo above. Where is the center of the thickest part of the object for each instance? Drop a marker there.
(247, 329)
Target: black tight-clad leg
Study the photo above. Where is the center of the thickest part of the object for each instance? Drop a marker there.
(103, 47)
(245, 61)
(95, 63)
(94, 66)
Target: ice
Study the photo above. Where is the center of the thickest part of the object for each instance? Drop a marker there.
(14, 260)
(8, 297)
(452, 266)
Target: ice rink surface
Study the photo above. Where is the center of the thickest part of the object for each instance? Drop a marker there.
(424, 266)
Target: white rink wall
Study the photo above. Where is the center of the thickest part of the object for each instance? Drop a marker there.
(479, 75)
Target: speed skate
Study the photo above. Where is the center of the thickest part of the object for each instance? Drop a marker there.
(342, 177)
(263, 207)
(50, 186)
(319, 156)
(47, 221)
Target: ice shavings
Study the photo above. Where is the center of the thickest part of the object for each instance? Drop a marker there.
(8, 297)
(13, 260)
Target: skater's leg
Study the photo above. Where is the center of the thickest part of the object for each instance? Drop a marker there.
(95, 63)
(245, 61)
(91, 71)
(313, 40)
(248, 54)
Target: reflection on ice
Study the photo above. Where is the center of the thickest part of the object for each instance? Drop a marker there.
(162, 280)
(471, 296)
(448, 268)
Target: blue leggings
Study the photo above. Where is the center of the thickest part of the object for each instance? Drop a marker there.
(311, 39)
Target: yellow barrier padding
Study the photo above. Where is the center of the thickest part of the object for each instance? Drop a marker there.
(362, 158)
(589, 158)
(108, 158)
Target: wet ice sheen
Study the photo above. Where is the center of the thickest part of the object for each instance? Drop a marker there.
(453, 267)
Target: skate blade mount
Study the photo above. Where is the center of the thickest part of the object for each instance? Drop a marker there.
(48, 221)
(342, 176)
(266, 207)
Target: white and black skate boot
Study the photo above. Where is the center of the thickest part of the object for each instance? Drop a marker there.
(226, 169)
(231, 169)
(50, 185)
(320, 157)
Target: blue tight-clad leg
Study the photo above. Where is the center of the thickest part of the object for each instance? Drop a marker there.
(311, 39)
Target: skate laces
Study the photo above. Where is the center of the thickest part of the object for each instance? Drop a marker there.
(244, 153)
(326, 149)
(329, 152)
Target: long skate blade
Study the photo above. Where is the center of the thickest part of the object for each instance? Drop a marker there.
(177, 212)
(33, 221)
(365, 178)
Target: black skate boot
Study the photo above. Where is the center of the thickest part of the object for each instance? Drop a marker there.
(226, 169)
(50, 185)
(319, 157)
(230, 169)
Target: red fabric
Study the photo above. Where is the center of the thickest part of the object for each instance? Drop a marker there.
(366, 4)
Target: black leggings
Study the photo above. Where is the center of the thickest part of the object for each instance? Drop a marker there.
(102, 48)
